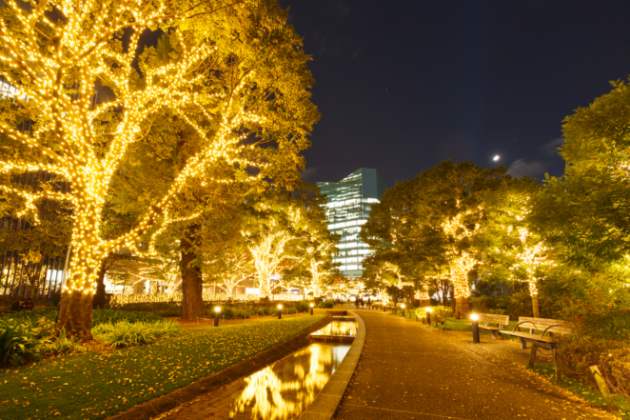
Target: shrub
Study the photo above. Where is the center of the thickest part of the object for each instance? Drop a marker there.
(113, 316)
(327, 304)
(161, 309)
(601, 336)
(438, 313)
(303, 306)
(62, 344)
(32, 316)
(18, 343)
(127, 334)
(497, 311)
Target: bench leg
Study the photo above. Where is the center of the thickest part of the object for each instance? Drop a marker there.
(494, 334)
(532, 356)
(523, 343)
(557, 362)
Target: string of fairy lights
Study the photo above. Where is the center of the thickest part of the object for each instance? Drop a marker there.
(531, 257)
(462, 262)
(268, 250)
(119, 300)
(39, 56)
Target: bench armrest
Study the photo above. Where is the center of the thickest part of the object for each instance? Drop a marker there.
(524, 322)
(548, 328)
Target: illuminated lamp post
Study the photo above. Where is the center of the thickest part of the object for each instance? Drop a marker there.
(217, 309)
(280, 311)
(428, 309)
(312, 306)
(475, 327)
(403, 309)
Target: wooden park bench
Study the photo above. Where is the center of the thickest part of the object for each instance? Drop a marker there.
(499, 320)
(527, 331)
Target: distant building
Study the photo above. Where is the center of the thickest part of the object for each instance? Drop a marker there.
(348, 208)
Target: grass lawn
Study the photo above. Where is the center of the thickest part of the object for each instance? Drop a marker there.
(96, 385)
(582, 390)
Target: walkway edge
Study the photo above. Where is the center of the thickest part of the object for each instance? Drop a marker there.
(325, 405)
(167, 402)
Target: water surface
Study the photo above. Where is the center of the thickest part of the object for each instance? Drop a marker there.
(281, 391)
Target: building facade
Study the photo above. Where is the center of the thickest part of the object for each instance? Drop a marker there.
(348, 207)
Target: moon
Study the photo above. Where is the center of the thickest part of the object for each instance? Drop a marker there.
(496, 158)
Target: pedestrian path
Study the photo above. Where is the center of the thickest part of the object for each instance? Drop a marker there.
(410, 371)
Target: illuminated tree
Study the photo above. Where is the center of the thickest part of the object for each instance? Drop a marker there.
(461, 261)
(230, 270)
(314, 243)
(57, 64)
(268, 237)
(532, 255)
(433, 223)
(585, 214)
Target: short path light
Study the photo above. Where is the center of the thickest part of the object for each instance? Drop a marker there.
(403, 309)
(217, 309)
(280, 311)
(312, 306)
(428, 309)
(475, 327)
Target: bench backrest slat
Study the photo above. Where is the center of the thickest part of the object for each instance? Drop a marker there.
(494, 319)
(541, 324)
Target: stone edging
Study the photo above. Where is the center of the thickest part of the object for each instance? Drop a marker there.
(164, 403)
(325, 405)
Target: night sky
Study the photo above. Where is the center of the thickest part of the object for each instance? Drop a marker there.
(405, 84)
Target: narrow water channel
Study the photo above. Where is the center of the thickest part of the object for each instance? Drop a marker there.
(280, 391)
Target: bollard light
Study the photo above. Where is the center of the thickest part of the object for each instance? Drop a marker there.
(217, 309)
(312, 306)
(475, 327)
(280, 311)
(428, 309)
(403, 309)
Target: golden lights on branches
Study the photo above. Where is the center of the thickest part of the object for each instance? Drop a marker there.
(268, 250)
(461, 262)
(531, 257)
(56, 65)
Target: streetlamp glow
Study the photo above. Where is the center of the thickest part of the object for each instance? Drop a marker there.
(475, 327)
(312, 306)
(280, 311)
(217, 309)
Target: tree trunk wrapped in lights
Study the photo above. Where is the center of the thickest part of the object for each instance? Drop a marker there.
(269, 253)
(55, 66)
(460, 267)
(531, 257)
(460, 262)
(422, 295)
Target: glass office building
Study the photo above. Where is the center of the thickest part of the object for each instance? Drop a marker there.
(348, 208)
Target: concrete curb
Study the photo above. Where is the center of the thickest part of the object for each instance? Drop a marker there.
(325, 405)
(164, 403)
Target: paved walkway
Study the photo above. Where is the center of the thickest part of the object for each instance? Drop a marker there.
(410, 371)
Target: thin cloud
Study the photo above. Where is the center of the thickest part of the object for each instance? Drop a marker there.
(537, 168)
(522, 167)
(551, 148)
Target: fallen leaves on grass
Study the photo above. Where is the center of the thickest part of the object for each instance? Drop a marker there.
(97, 385)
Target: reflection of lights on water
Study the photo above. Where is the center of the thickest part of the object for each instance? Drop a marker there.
(338, 328)
(270, 397)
